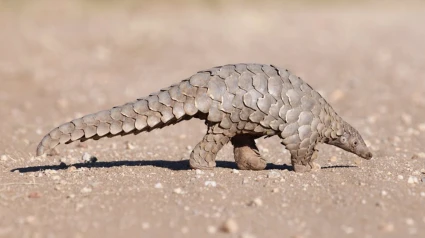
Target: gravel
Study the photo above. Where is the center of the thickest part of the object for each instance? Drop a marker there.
(4, 158)
(210, 184)
(257, 202)
(230, 226)
(412, 180)
(88, 158)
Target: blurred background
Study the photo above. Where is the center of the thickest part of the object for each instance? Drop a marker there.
(68, 58)
(61, 59)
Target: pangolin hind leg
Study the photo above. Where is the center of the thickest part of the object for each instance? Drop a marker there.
(246, 153)
(204, 153)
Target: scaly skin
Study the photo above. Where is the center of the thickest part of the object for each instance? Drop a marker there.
(239, 103)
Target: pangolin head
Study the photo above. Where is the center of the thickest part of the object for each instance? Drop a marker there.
(350, 140)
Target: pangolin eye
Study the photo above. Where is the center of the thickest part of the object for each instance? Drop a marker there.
(355, 143)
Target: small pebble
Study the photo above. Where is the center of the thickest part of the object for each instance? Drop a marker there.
(384, 193)
(333, 159)
(145, 225)
(414, 156)
(178, 191)
(337, 95)
(371, 119)
(185, 229)
(273, 174)
(247, 235)
(129, 145)
(275, 190)
(256, 202)
(413, 180)
(210, 184)
(406, 118)
(235, 171)
(88, 158)
(199, 172)
(158, 185)
(212, 229)
(347, 229)
(30, 219)
(86, 190)
(422, 127)
(230, 226)
(386, 227)
(400, 177)
(39, 131)
(410, 222)
(379, 204)
(71, 196)
(4, 158)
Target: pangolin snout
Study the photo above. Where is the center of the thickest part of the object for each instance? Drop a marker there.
(367, 156)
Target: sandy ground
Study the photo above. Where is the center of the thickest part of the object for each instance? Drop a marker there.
(62, 60)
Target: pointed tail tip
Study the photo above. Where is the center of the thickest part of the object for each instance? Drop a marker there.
(40, 150)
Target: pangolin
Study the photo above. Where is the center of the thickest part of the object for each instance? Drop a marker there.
(239, 103)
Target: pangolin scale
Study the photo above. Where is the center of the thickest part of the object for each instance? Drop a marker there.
(239, 103)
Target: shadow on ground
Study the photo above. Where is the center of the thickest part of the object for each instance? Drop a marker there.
(172, 165)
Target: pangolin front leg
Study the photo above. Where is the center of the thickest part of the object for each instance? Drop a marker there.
(302, 159)
(246, 153)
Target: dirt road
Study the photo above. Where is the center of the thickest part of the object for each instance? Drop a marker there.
(62, 60)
